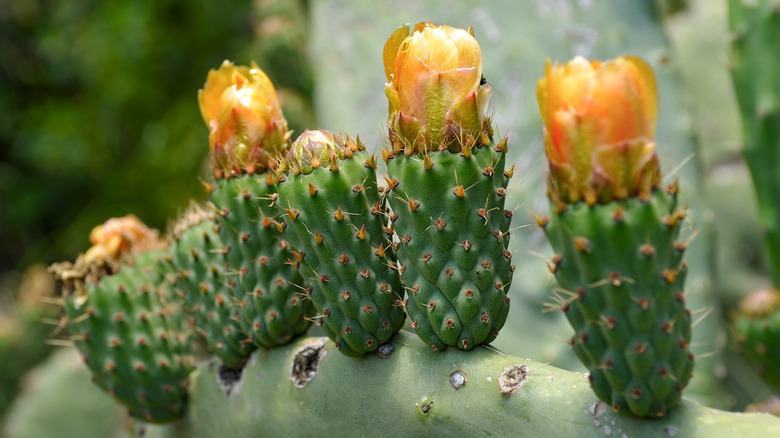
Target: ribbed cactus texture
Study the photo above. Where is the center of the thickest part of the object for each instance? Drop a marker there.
(454, 234)
(129, 330)
(262, 274)
(757, 333)
(198, 263)
(620, 271)
(339, 226)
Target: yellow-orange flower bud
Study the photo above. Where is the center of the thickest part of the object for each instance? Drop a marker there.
(121, 235)
(435, 90)
(599, 123)
(247, 130)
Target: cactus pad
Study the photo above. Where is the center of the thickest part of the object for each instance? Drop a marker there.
(620, 271)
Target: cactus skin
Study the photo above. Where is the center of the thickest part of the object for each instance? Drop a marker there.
(757, 334)
(551, 403)
(620, 267)
(198, 262)
(755, 68)
(454, 235)
(130, 335)
(261, 273)
(356, 288)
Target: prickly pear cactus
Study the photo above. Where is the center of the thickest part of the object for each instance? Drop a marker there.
(198, 262)
(615, 232)
(248, 133)
(757, 333)
(340, 230)
(620, 271)
(447, 187)
(127, 326)
(454, 234)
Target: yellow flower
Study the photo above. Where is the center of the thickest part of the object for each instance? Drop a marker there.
(246, 127)
(435, 90)
(599, 123)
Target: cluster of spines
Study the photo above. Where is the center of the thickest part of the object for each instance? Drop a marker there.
(198, 263)
(621, 288)
(131, 337)
(453, 232)
(262, 274)
(341, 234)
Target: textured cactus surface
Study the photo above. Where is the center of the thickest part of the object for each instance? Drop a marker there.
(130, 333)
(262, 273)
(621, 275)
(340, 222)
(198, 263)
(757, 333)
(452, 393)
(454, 233)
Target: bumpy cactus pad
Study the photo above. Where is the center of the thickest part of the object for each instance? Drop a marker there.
(262, 274)
(757, 334)
(129, 332)
(621, 274)
(454, 234)
(199, 263)
(338, 226)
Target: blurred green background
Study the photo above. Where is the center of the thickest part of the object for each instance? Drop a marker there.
(100, 119)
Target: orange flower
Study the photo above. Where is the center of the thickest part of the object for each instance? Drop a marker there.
(246, 126)
(122, 235)
(599, 122)
(434, 88)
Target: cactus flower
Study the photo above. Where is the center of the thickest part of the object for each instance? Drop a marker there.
(599, 122)
(122, 235)
(435, 90)
(246, 127)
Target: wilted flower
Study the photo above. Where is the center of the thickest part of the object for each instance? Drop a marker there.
(121, 235)
(599, 122)
(246, 126)
(435, 90)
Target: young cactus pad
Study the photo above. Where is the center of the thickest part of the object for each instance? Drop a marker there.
(618, 261)
(127, 326)
(247, 134)
(757, 333)
(447, 187)
(454, 235)
(620, 271)
(198, 262)
(339, 228)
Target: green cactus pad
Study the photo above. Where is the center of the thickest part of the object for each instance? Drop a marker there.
(261, 273)
(620, 271)
(337, 222)
(199, 262)
(129, 332)
(757, 333)
(454, 235)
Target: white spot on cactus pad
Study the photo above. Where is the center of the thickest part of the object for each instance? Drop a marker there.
(458, 379)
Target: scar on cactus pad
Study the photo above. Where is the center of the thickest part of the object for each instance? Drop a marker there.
(125, 322)
(618, 259)
(447, 187)
(248, 135)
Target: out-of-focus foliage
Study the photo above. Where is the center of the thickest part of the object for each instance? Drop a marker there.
(99, 114)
